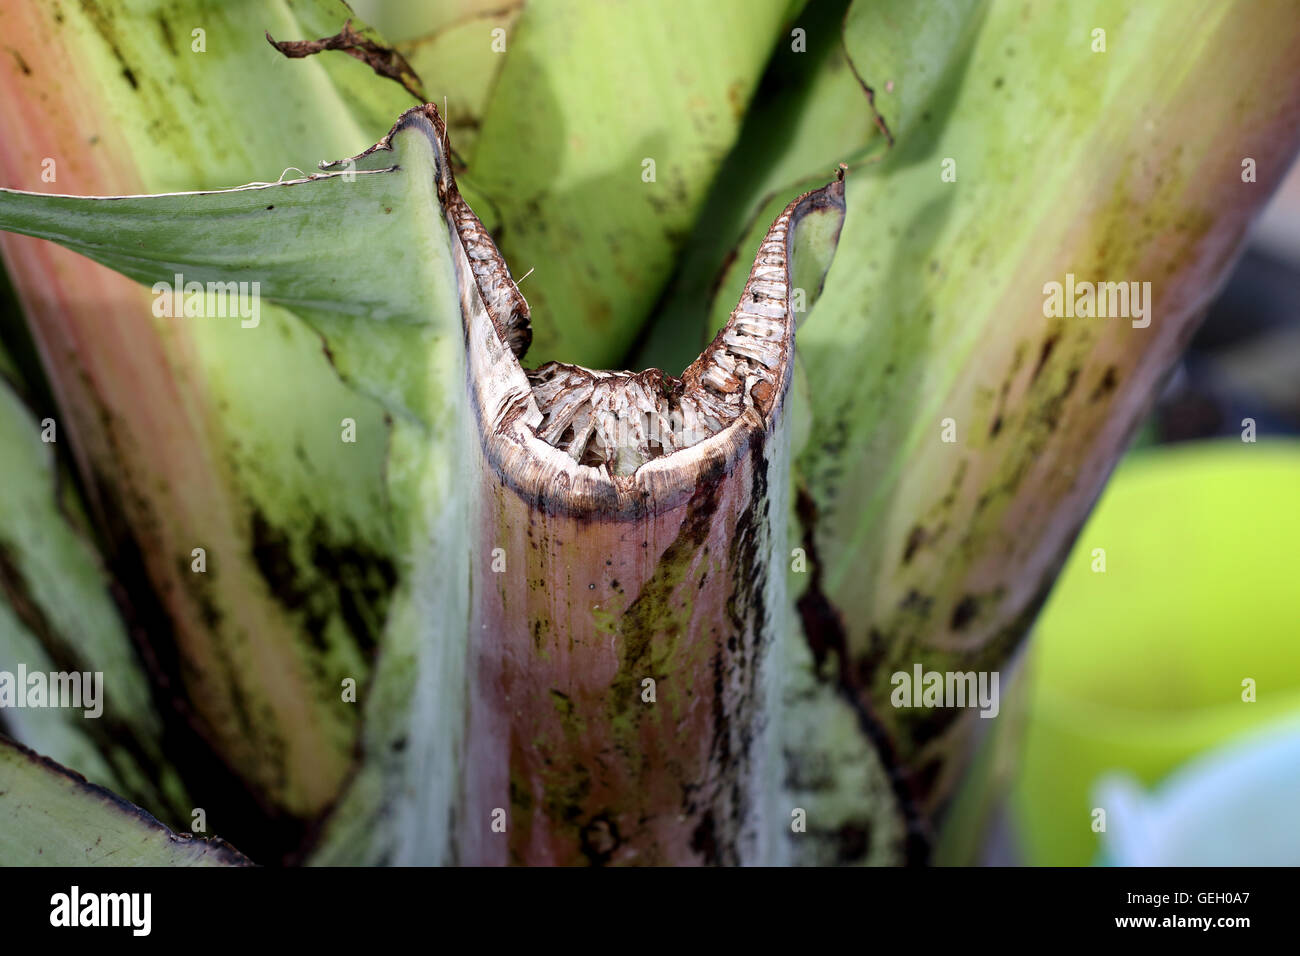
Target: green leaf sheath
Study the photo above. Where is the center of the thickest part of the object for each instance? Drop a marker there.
(1020, 155)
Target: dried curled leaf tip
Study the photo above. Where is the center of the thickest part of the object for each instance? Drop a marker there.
(385, 61)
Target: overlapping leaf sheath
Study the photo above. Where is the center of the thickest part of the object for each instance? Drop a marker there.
(197, 433)
(1110, 142)
(398, 341)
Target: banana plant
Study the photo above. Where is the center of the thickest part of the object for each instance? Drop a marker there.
(394, 576)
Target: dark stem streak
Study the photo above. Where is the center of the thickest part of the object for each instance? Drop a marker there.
(823, 628)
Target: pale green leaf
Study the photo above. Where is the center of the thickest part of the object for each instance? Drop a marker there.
(563, 155)
(50, 816)
(58, 615)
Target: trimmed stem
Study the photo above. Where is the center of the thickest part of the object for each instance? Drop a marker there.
(626, 589)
